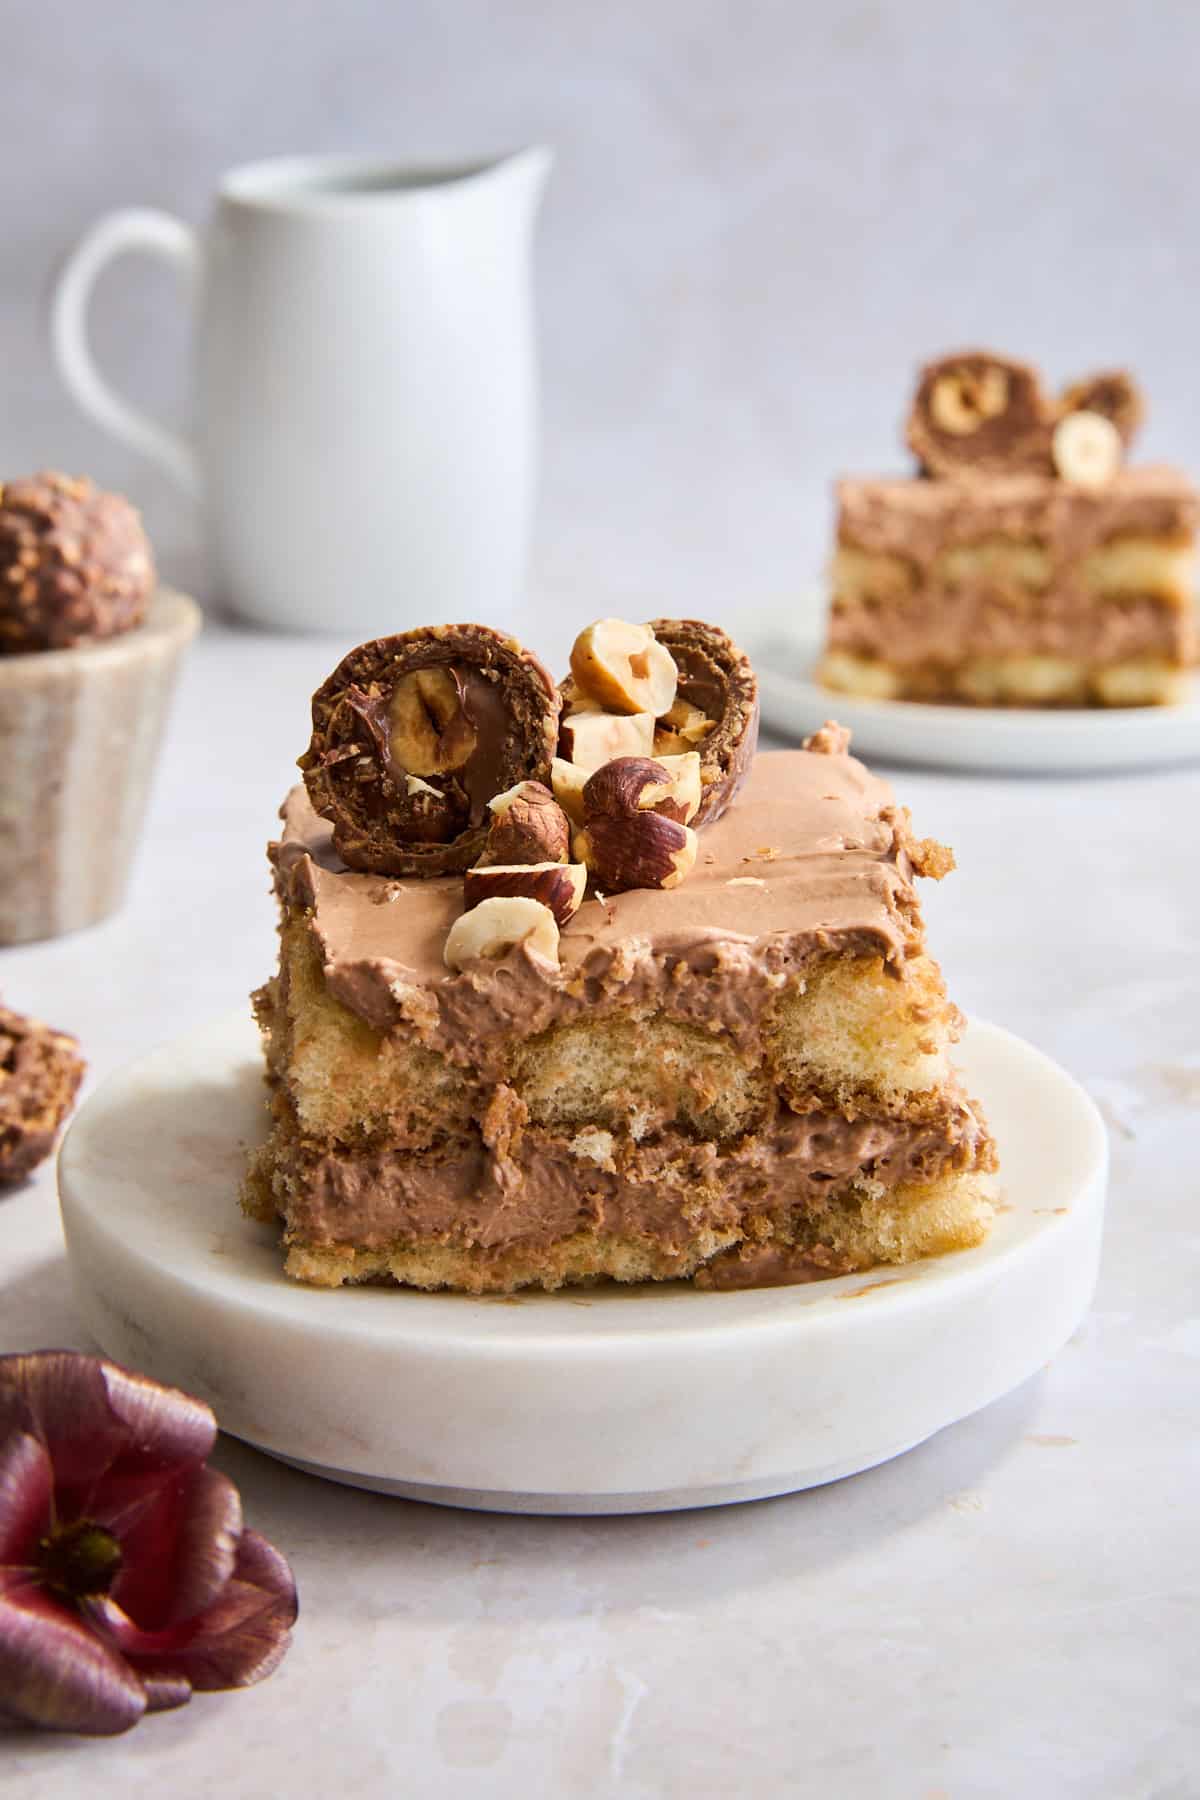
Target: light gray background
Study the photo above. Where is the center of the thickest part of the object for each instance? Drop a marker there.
(761, 217)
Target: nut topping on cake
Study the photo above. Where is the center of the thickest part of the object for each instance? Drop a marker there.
(414, 735)
(976, 413)
(719, 687)
(590, 739)
(633, 784)
(623, 668)
(1114, 395)
(1086, 449)
(528, 826)
(498, 925)
(645, 851)
(682, 728)
(558, 885)
(568, 781)
(831, 740)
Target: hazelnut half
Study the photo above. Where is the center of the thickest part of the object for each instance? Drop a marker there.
(558, 885)
(631, 784)
(428, 729)
(568, 781)
(1086, 448)
(589, 739)
(645, 851)
(498, 925)
(963, 399)
(528, 826)
(681, 728)
(624, 667)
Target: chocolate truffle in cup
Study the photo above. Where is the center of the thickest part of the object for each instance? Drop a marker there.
(75, 564)
(89, 649)
(413, 735)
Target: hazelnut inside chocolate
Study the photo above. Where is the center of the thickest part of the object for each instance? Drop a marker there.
(414, 735)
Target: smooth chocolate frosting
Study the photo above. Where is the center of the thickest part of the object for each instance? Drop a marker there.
(815, 857)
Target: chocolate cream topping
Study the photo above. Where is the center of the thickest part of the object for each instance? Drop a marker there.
(813, 858)
(919, 519)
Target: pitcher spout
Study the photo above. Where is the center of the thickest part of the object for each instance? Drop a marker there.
(526, 173)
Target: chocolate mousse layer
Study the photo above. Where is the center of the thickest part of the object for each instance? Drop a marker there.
(662, 1191)
(943, 624)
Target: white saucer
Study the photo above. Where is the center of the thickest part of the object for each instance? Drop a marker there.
(586, 1401)
(1084, 740)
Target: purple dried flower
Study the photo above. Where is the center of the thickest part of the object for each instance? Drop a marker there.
(126, 1576)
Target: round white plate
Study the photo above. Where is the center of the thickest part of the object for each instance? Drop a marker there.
(1083, 740)
(589, 1400)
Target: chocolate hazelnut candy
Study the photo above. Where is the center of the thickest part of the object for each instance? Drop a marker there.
(717, 682)
(40, 1073)
(558, 885)
(1114, 395)
(527, 826)
(75, 564)
(414, 735)
(978, 414)
(623, 668)
(496, 926)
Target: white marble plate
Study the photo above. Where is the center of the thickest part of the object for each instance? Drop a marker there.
(613, 1400)
(1084, 740)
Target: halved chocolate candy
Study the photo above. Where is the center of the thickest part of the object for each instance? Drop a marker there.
(717, 682)
(414, 734)
(979, 414)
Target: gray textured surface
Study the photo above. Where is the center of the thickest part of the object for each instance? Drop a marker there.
(761, 216)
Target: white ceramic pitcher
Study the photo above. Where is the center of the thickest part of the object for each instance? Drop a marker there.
(365, 385)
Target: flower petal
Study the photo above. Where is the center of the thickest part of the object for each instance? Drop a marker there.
(244, 1636)
(55, 1672)
(26, 1496)
(165, 1427)
(92, 1415)
(61, 1397)
(165, 1692)
(263, 1566)
(179, 1544)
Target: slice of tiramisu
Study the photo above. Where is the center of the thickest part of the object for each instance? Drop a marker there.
(1026, 565)
(678, 1022)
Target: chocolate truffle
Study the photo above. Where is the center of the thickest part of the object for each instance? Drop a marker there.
(75, 564)
(40, 1073)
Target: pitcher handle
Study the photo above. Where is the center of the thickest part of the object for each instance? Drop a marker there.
(133, 228)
